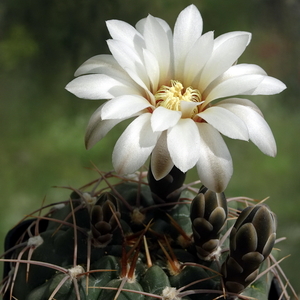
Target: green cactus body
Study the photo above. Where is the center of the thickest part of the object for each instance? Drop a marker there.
(125, 245)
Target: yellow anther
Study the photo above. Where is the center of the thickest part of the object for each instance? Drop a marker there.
(170, 96)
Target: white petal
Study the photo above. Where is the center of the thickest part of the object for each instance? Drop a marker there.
(243, 69)
(187, 29)
(141, 82)
(259, 131)
(215, 164)
(187, 108)
(161, 162)
(163, 118)
(236, 71)
(227, 49)
(169, 34)
(183, 144)
(157, 43)
(166, 28)
(225, 122)
(197, 57)
(152, 68)
(105, 64)
(123, 107)
(100, 86)
(97, 128)
(240, 70)
(269, 86)
(241, 101)
(242, 85)
(140, 26)
(223, 38)
(130, 61)
(134, 145)
(122, 31)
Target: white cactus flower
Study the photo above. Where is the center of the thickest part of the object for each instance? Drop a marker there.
(170, 82)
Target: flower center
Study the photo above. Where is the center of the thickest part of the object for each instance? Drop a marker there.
(171, 96)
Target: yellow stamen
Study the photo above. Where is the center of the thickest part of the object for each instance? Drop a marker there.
(170, 96)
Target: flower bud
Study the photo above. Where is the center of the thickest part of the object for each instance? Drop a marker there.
(208, 216)
(103, 220)
(251, 241)
(164, 190)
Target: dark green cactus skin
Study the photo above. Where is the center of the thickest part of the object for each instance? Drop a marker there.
(111, 235)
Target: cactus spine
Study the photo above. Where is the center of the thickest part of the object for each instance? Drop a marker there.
(142, 240)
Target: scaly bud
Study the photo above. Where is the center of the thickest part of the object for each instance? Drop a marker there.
(103, 220)
(251, 241)
(208, 216)
(165, 190)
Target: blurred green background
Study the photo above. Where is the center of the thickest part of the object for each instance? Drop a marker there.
(42, 42)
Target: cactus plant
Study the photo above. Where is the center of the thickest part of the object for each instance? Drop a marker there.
(126, 241)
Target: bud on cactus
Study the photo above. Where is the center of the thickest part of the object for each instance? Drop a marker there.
(166, 190)
(251, 241)
(208, 216)
(104, 220)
